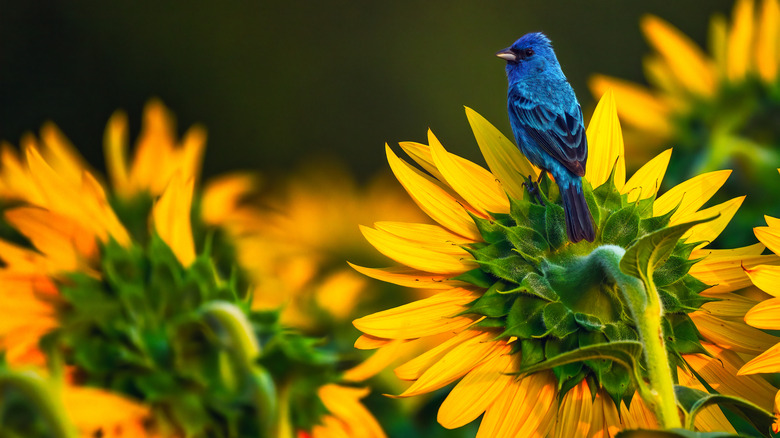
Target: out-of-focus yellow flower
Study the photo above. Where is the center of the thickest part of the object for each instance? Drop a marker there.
(297, 240)
(488, 322)
(135, 285)
(717, 109)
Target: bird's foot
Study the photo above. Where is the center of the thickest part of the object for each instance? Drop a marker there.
(533, 189)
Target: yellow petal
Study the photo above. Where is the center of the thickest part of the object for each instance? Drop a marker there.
(718, 34)
(477, 390)
(726, 273)
(523, 409)
(367, 342)
(424, 317)
(422, 155)
(661, 76)
(426, 234)
(639, 416)
(498, 412)
(430, 258)
(503, 158)
(455, 364)
(732, 335)
(191, 153)
(343, 402)
(740, 41)
(772, 222)
(710, 418)
(574, 413)
(644, 183)
(433, 199)
(377, 362)
(689, 64)
(93, 409)
(605, 144)
(413, 369)
(721, 375)
(768, 362)
(730, 306)
(541, 419)
(769, 236)
(635, 105)
(765, 315)
(222, 195)
(708, 231)
(766, 278)
(115, 141)
(408, 277)
(690, 195)
(67, 245)
(476, 185)
(154, 163)
(605, 421)
(767, 36)
(750, 250)
(60, 154)
(171, 215)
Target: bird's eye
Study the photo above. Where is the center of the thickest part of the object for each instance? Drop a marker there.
(529, 52)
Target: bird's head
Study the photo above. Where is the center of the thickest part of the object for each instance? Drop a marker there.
(529, 56)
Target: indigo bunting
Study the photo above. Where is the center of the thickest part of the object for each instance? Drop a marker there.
(547, 122)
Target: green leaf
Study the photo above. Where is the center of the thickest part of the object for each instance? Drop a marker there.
(672, 433)
(625, 353)
(621, 227)
(694, 400)
(651, 250)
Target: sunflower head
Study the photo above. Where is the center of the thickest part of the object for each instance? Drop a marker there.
(522, 310)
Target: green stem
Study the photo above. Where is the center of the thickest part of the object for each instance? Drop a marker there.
(45, 400)
(645, 305)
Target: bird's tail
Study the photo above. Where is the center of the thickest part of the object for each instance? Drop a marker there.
(579, 222)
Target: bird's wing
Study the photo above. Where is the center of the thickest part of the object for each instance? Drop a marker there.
(559, 134)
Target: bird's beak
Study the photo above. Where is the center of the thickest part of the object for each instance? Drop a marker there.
(507, 55)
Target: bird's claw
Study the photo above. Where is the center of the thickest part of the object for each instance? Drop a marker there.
(533, 189)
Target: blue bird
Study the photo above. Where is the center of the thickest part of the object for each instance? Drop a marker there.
(547, 122)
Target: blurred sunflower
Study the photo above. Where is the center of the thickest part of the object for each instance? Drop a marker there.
(135, 287)
(513, 292)
(309, 222)
(720, 111)
(765, 315)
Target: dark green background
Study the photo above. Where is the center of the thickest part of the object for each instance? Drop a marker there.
(279, 82)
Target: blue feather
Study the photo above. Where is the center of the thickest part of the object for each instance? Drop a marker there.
(547, 123)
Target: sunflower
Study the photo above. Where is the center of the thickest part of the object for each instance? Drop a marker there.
(307, 221)
(513, 292)
(764, 314)
(718, 110)
(135, 288)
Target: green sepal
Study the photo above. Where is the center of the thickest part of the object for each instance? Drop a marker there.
(537, 285)
(512, 268)
(477, 277)
(559, 320)
(607, 195)
(555, 225)
(491, 231)
(524, 212)
(693, 401)
(525, 318)
(621, 227)
(532, 351)
(687, 339)
(674, 268)
(527, 242)
(492, 303)
(564, 372)
(620, 331)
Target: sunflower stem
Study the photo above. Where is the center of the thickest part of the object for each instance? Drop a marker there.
(645, 304)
